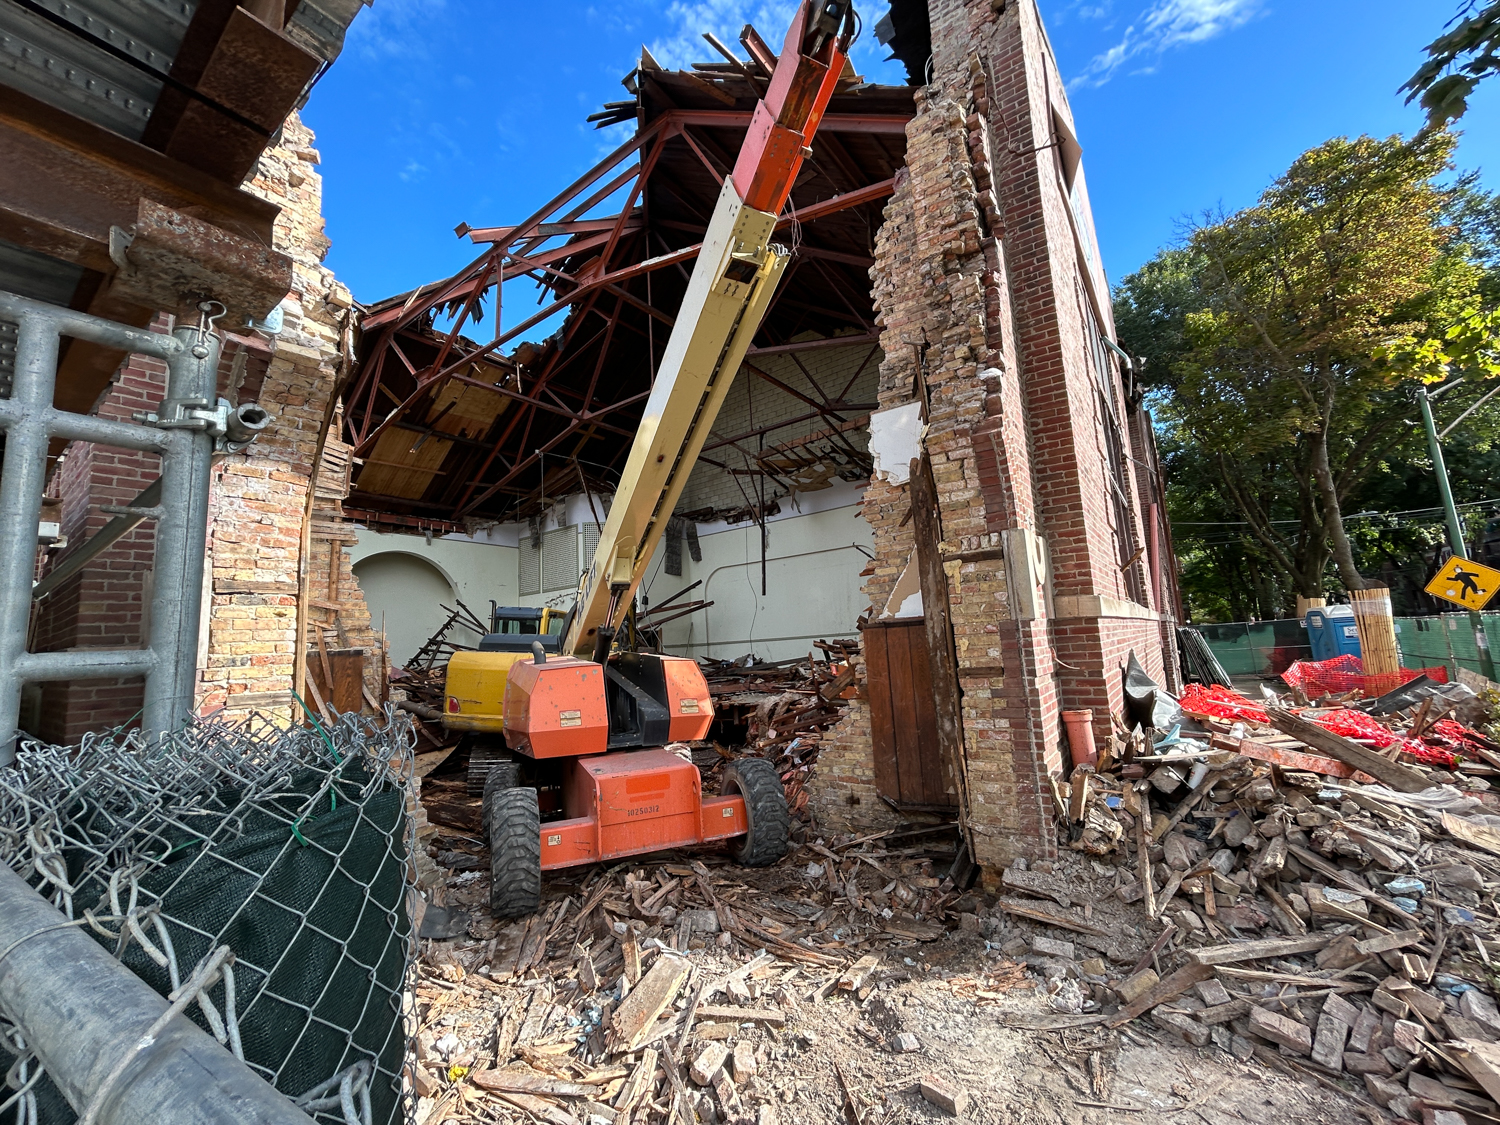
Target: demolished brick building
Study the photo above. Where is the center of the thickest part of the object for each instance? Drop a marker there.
(984, 348)
(1052, 542)
(943, 336)
(278, 568)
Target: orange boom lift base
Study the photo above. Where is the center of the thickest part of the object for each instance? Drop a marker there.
(593, 765)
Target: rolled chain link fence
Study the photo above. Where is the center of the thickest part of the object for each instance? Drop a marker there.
(255, 875)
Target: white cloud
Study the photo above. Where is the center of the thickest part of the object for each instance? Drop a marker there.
(394, 29)
(682, 42)
(1164, 25)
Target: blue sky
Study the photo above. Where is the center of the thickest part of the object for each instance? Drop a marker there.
(441, 111)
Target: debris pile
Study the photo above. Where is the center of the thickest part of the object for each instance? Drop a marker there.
(687, 990)
(781, 710)
(1325, 880)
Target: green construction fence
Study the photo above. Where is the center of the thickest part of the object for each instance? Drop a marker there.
(1266, 648)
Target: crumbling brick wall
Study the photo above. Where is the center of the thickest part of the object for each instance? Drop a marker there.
(261, 494)
(256, 515)
(993, 314)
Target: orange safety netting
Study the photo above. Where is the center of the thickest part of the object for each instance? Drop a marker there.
(1441, 744)
(1347, 673)
(1220, 703)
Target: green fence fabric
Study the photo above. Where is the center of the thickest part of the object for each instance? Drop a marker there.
(1446, 639)
(1266, 648)
(288, 846)
(1257, 648)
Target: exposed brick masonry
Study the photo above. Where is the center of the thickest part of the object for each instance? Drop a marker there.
(982, 287)
(256, 510)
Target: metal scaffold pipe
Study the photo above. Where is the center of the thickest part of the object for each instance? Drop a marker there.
(93, 1026)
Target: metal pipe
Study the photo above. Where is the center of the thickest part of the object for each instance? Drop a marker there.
(110, 533)
(183, 430)
(21, 482)
(86, 1016)
(1455, 527)
(1440, 470)
(83, 326)
(181, 535)
(80, 427)
(90, 664)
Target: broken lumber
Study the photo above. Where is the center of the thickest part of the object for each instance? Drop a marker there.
(1049, 915)
(1256, 950)
(1401, 778)
(1281, 756)
(742, 1015)
(1172, 985)
(529, 1082)
(635, 1018)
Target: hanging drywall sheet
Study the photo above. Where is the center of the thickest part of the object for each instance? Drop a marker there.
(895, 439)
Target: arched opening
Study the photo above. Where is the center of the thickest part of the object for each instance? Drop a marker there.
(408, 594)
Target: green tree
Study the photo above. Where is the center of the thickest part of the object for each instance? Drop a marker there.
(1282, 343)
(1457, 60)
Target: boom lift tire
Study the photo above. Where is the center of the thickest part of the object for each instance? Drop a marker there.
(514, 827)
(756, 780)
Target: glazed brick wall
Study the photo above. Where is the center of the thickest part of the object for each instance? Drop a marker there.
(982, 278)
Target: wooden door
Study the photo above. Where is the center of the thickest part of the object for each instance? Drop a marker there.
(345, 668)
(909, 766)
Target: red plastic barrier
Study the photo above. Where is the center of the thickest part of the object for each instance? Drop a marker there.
(1347, 673)
(1220, 703)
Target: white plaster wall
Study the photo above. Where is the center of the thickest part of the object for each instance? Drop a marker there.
(813, 564)
(813, 582)
(475, 569)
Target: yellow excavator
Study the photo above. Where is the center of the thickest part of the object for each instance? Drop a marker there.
(572, 733)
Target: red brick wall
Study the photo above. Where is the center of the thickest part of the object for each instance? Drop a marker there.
(104, 605)
(992, 307)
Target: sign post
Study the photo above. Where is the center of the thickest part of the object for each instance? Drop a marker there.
(1464, 584)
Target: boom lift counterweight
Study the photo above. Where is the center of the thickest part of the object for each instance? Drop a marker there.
(583, 775)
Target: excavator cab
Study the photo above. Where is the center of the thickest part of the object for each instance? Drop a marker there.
(513, 628)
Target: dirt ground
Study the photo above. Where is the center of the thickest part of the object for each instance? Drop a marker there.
(965, 996)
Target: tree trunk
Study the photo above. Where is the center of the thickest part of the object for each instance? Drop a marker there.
(1333, 519)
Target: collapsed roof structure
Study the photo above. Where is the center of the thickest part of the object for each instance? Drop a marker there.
(452, 428)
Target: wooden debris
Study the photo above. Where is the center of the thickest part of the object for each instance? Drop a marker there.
(773, 1016)
(641, 1083)
(1401, 778)
(1174, 984)
(528, 1082)
(539, 1108)
(1258, 950)
(635, 1018)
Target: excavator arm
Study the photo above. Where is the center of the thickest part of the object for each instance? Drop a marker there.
(727, 296)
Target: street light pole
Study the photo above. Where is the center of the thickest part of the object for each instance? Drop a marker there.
(1455, 528)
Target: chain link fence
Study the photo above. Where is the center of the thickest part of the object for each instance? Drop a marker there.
(255, 875)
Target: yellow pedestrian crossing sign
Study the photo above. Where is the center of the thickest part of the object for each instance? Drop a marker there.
(1465, 583)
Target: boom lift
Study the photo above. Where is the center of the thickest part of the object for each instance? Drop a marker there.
(586, 777)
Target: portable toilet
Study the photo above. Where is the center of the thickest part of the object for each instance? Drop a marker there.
(1332, 631)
